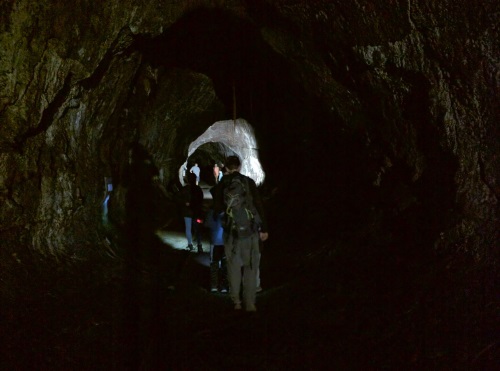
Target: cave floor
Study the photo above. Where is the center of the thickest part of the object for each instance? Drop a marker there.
(295, 327)
(320, 309)
(112, 317)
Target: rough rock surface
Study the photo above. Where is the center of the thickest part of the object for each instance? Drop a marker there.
(396, 74)
(398, 99)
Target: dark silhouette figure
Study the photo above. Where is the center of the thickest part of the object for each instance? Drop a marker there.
(191, 205)
(245, 225)
(145, 255)
(218, 266)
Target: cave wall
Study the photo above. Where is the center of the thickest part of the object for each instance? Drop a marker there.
(417, 83)
(169, 128)
(64, 75)
(163, 112)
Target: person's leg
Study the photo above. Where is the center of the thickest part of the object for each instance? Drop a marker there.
(197, 234)
(223, 273)
(189, 236)
(251, 261)
(231, 248)
(218, 253)
(215, 280)
(214, 270)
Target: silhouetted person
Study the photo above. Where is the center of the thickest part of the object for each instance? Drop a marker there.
(244, 224)
(191, 204)
(216, 173)
(196, 171)
(218, 265)
(142, 253)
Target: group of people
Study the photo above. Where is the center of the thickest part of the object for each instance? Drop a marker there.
(218, 172)
(237, 226)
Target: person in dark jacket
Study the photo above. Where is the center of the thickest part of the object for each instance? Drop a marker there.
(241, 251)
(218, 267)
(191, 203)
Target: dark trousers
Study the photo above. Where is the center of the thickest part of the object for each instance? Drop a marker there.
(218, 267)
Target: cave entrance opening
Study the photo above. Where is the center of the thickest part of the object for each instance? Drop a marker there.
(220, 140)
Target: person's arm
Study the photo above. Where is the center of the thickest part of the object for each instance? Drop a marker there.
(259, 205)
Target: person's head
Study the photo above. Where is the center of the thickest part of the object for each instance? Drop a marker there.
(233, 163)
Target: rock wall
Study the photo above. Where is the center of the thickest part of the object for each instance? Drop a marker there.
(417, 82)
(65, 68)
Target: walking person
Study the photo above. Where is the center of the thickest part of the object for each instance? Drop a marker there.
(191, 203)
(245, 225)
(216, 173)
(218, 266)
(196, 171)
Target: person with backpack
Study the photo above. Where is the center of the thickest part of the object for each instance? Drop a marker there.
(238, 201)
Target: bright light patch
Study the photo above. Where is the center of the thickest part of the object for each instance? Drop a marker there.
(177, 240)
(239, 137)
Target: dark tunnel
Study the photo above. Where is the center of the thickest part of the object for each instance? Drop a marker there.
(321, 167)
(365, 266)
(304, 147)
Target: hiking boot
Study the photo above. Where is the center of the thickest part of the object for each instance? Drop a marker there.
(200, 249)
(189, 247)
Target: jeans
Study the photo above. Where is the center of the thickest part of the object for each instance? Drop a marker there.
(190, 228)
(218, 268)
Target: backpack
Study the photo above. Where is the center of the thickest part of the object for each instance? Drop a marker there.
(241, 217)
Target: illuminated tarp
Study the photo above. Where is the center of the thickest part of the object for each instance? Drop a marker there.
(238, 137)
